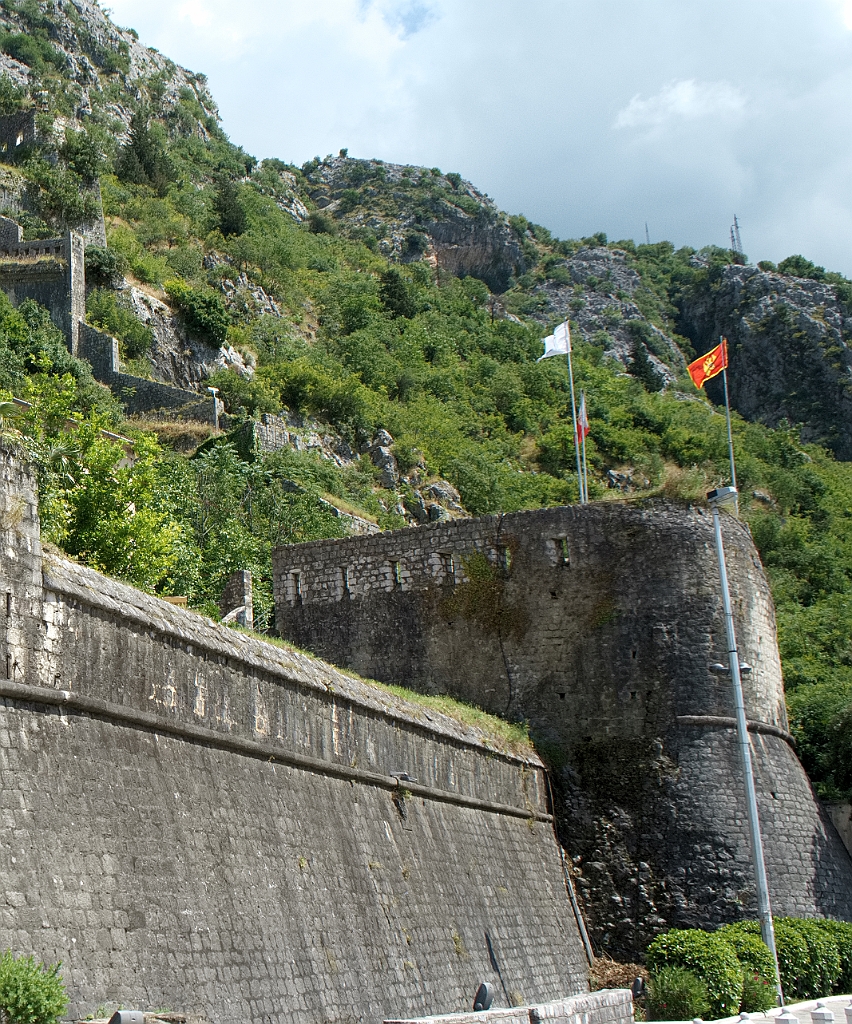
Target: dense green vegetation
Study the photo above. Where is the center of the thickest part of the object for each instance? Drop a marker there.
(366, 344)
(732, 969)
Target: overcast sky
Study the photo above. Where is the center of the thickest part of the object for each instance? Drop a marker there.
(584, 115)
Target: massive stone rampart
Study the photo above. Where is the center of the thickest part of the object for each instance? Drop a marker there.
(195, 819)
(598, 625)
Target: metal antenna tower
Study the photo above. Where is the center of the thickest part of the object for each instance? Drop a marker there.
(736, 241)
(647, 236)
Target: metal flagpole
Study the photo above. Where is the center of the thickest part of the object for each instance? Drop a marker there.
(764, 909)
(585, 469)
(574, 418)
(723, 342)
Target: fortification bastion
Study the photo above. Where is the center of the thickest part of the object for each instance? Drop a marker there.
(598, 625)
(195, 819)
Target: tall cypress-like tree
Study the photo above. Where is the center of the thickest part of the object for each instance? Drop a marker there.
(142, 159)
(395, 296)
(229, 210)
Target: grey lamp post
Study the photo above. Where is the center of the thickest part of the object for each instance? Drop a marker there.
(727, 496)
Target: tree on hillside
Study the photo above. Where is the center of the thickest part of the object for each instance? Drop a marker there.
(142, 159)
(229, 210)
(395, 295)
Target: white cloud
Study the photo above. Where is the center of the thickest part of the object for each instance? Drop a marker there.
(844, 9)
(686, 100)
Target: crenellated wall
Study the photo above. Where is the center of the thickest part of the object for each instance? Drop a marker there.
(51, 271)
(195, 819)
(598, 625)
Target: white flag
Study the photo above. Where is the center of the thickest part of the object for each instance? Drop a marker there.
(558, 343)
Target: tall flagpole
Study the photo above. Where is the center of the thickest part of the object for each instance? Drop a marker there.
(723, 341)
(585, 469)
(574, 418)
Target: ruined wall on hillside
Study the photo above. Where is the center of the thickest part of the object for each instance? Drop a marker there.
(598, 626)
(195, 819)
(51, 271)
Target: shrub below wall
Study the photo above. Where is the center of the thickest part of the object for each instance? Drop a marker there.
(814, 959)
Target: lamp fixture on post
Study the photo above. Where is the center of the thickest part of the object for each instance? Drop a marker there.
(727, 497)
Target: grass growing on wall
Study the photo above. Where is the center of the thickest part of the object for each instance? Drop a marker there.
(511, 737)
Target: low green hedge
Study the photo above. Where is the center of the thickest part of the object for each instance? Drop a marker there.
(841, 932)
(814, 959)
(758, 968)
(809, 957)
(710, 957)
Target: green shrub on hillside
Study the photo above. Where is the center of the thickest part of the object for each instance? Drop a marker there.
(30, 992)
(59, 194)
(12, 97)
(104, 266)
(710, 957)
(112, 313)
(203, 311)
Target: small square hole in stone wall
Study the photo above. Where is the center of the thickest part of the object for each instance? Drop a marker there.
(563, 555)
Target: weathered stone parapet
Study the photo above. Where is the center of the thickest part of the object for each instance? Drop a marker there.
(609, 1006)
(139, 394)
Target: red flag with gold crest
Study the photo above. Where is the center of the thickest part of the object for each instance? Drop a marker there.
(710, 364)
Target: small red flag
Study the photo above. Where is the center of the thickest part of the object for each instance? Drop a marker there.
(709, 365)
(582, 419)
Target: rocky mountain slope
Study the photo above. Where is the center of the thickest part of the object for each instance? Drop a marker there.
(789, 348)
(75, 63)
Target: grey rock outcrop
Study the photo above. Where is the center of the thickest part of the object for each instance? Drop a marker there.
(790, 358)
(426, 214)
(176, 356)
(595, 289)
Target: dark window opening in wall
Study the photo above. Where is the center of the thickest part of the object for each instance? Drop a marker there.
(397, 574)
(562, 696)
(506, 556)
(344, 580)
(634, 655)
(8, 603)
(296, 586)
(562, 550)
(449, 565)
(8, 666)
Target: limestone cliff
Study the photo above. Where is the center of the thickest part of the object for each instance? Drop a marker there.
(789, 348)
(414, 213)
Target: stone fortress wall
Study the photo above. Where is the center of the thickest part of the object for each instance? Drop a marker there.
(52, 271)
(49, 270)
(195, 819)
(598, 626)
